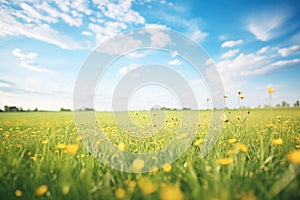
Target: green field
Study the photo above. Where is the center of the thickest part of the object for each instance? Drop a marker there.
(41, 157)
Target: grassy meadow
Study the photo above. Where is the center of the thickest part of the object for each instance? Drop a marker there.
(256, 157)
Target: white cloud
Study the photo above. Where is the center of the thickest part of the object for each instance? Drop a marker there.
(43, 32)
(174, 54)
(158, 26)
(199, 36)
(120, 45)
(27, 60)
(126, 69)
(288, 51)
(18, 53)
(267, 24)
(35, 15)
(230, 53)
(231, 43)
(159, 37)
(109, 30)
(262, 50)
(175, 62)
(135, 55)
(71, 21)
(121, 12)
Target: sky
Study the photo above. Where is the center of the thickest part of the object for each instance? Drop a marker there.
(254, 44)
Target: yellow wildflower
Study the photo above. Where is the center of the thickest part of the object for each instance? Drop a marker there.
(60, 146)
(45, 141)
(146, 185)
(171, 192)
(270, 90)
(232, 140)
(167, 167)
(138, 164)
(242, 97)
(294, 157)
(122, 146)
(278, 141)
(71, 148)
(40, 191)
(198, 142)
(120, 193)
(225, 161)
(241, 147)
(18, 193)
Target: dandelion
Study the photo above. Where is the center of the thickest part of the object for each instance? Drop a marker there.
(232, 140)
(167, 167)
(232, 152)
(146, 185)
(122, 146)
(138, 164)
(18, 193)
(242, 97)
(241, 147)
(171, 192)
(120, 193)
(131, 184)
(45, 141)
(225, 161)
(71, 148)
(60, 146)
(278, 141)
(40, 191)
(198, 142)
(294, 157)
(270, 91)
(225, 96)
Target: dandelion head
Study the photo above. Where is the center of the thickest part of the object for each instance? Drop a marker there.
(171, 192)
(294, 157)
(270, 90)
(41, 190)
(167, 167)
(138, 164)
(225, 161)
(277, 141)
(18, 193)
(120, 193)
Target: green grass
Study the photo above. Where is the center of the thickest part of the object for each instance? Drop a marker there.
(26, 163)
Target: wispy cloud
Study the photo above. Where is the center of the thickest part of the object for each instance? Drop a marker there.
(27, 60)
(43, 32)
(126, 69)
(230, 53)
(231, 43)
(268, 24)
(175, 62)
(284, 52)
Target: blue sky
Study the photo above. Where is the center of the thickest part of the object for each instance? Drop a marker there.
(254, 45)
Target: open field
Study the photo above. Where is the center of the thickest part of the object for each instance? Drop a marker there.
(41, 157)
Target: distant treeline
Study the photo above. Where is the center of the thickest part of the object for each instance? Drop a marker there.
(20, 109)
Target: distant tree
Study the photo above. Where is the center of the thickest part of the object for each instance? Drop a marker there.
(89, 109)
(65, 110)
(186, 109)
(6, 108)
(296, 104)
(277, 105)
(35, 110)
(283, 104)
